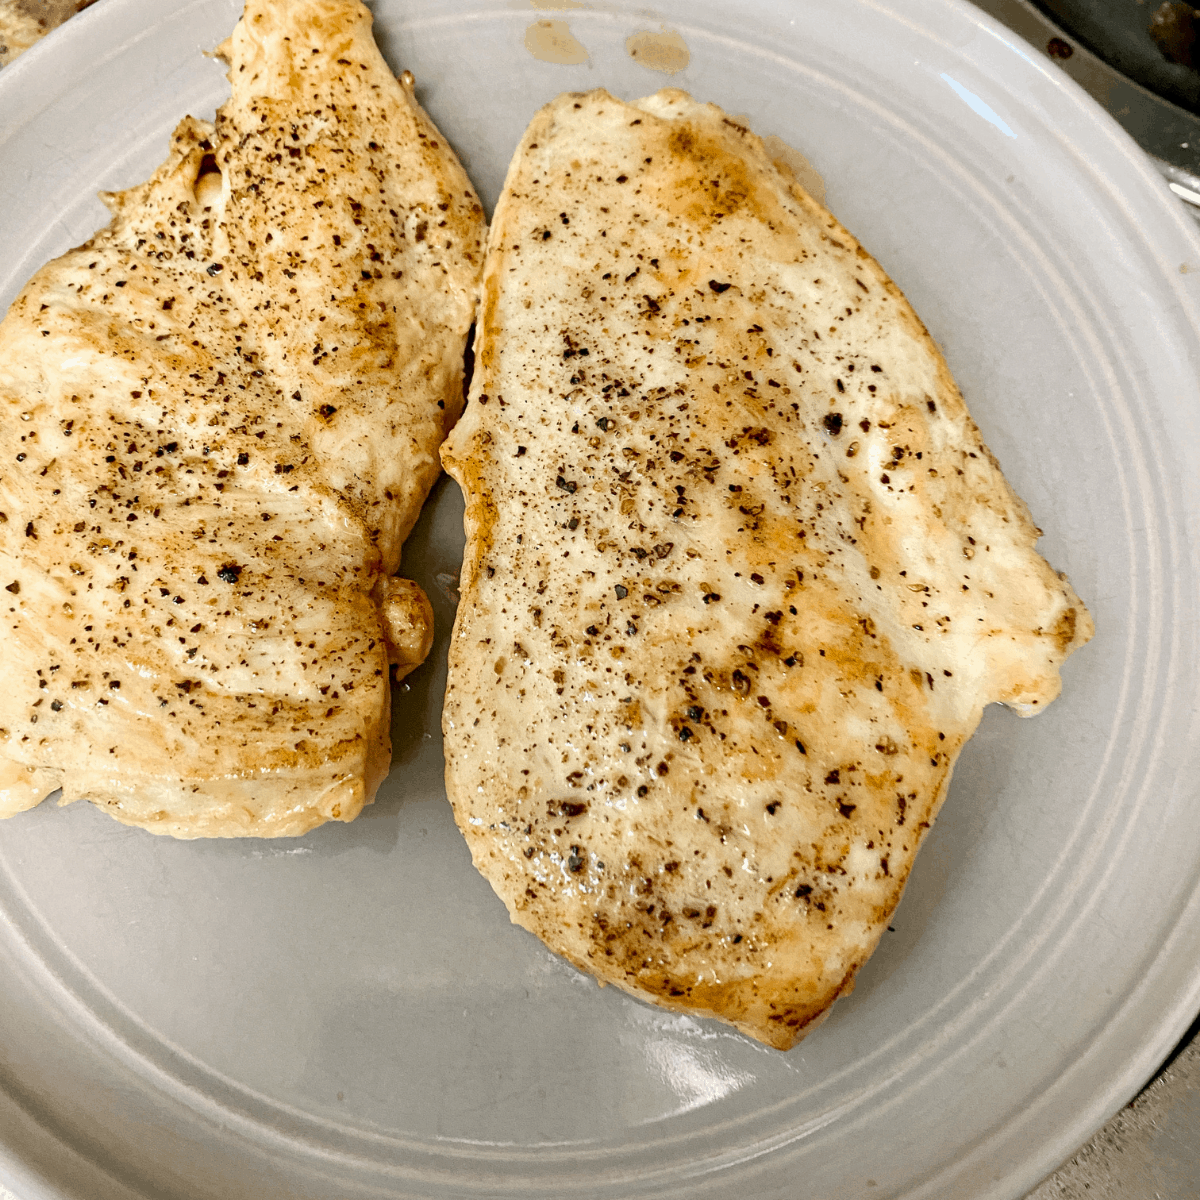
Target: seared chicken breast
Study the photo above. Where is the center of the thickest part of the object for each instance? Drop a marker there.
(218, 421)
(741, 574)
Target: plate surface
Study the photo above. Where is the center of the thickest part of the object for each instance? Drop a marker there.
(351, 1015)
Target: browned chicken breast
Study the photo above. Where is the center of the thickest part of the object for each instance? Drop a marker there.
(218, 422)
(741, 574)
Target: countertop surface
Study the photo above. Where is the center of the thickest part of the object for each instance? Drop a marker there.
(1151, 1149)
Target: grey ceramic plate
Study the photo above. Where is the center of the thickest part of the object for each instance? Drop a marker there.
(351, 1015)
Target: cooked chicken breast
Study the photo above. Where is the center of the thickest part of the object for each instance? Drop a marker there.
(741, 574)
(220, 419)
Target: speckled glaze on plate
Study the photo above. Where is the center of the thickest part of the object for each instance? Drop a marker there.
(351, 1015)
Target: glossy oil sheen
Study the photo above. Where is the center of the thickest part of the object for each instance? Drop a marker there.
(350, 1014)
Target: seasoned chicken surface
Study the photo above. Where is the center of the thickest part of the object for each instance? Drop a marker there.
(741, 574)
(219, 420)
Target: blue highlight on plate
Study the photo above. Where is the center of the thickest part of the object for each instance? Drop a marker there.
(977, 105)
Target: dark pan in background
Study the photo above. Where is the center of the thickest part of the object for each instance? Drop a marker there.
(1117, 50)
